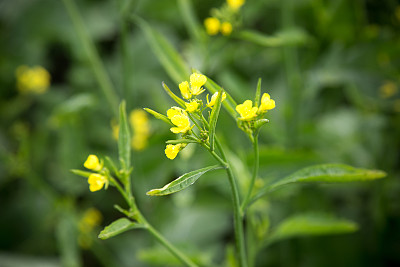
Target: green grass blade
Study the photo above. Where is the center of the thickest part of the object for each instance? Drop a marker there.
(214, 118)
(124, 139)
(182, 182)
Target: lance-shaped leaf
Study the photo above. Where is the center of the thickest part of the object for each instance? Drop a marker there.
(213, 118)
(289, 37)
(324, 173)
(165, 52)
(159, 116)
(124, 139)
(258, 93)
(181, 141)
(312, 224)
(81, 173)
(119, 226)
(182, 182)
(174, 96)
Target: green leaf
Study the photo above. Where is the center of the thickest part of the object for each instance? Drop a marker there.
(181, 141)
(190, 21)
(124, 139)
(258, 93)
(311, 225)
(119, 226)
(182, 182)
(174, 96)
(214, 117)
(289, 37)
(81, 173)
(158, 116)
(165, 52)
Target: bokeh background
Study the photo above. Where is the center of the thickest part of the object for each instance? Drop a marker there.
(333, 68)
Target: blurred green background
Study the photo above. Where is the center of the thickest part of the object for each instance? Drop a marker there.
(333, 70)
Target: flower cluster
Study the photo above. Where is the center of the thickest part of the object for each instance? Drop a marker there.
(96, 180)
(32, 80)
(223, 19)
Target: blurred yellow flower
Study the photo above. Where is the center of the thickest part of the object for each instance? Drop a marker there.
(214, 98)
(396, 105)
(180, 119)
(388, 89)
(185, 91)
(96, 182)
(266, 103)
(92, 163)
(196, 83)
(32, 80)
(235, 4)
(212, 25)
(114, 129)
(192, 106)
(91, 218)
(171, 151)
(246, 110)
(226, 28)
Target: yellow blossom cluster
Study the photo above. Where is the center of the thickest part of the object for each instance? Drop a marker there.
(214, 26)
(32, 80)
(96, 180)
(248, 112)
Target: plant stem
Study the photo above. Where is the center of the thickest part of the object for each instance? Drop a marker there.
(254, 174)
(98, 68)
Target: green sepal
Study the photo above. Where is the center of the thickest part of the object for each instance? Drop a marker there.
(159, 116)
(124, 140)
(258, 124)
(181, 182)
(174, 96)
(214, 118)
(119, 226)
(81, 173)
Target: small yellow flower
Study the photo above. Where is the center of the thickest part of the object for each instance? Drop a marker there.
(196, 83)
(180, 119)
(139, 142)
(114, 129)
(92, 163)
(388, 89)
(185, 91)
(96, 182)
(246, 110)
(214, 98)
(212, 25)
(34, 80)
(266, 103)
(171, 151)
(226, 28)
(235, 4)
(91, 218)
(192, 106)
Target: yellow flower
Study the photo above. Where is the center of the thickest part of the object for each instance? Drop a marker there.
(214, 98)
(388, 89)
(226, 28)
(171, 151)
(196, 83)
(91, 218)
(246, 110)
(139, 142)
(192, 106)
(115, 129)
(235, 4)
(92, 163)
(96, 182)
(180, 119)
(185, 91)
(266, 103)
(35, 80)
(212, 25)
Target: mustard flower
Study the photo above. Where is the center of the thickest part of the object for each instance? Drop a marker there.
(388, 89)
(141, 129)
(212, 25)
(196, 83)
(92, 163)
(214, 98)
(246, 110)
(96, 182)
(91, 218)
(226, 28)
(192, 106)
(180, 119)
(171, 151)
(34, 80)
(235, 4)
(185, 91)
(266, 103)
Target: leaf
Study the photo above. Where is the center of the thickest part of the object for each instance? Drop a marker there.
(214, 118)
(124, 140)
(181, 182)
(258, 93)
(312, 224)
(158, 116)
(119, 226)
(289, 37)
(181, 141)
(190, 21)
(81, 173)
(165, 52)
(174, 96)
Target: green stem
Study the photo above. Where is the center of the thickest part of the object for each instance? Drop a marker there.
(98, 68)
(254, 175)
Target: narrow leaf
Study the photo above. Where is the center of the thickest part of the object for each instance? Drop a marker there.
(182, 182)
(81, 173)
(181, 141)
(158, 116)
(119, 226)
(214, 117)
(174, 96)
(164, 51)
(289, 37)
(124, 140)
(258, 93)
(311, 225)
